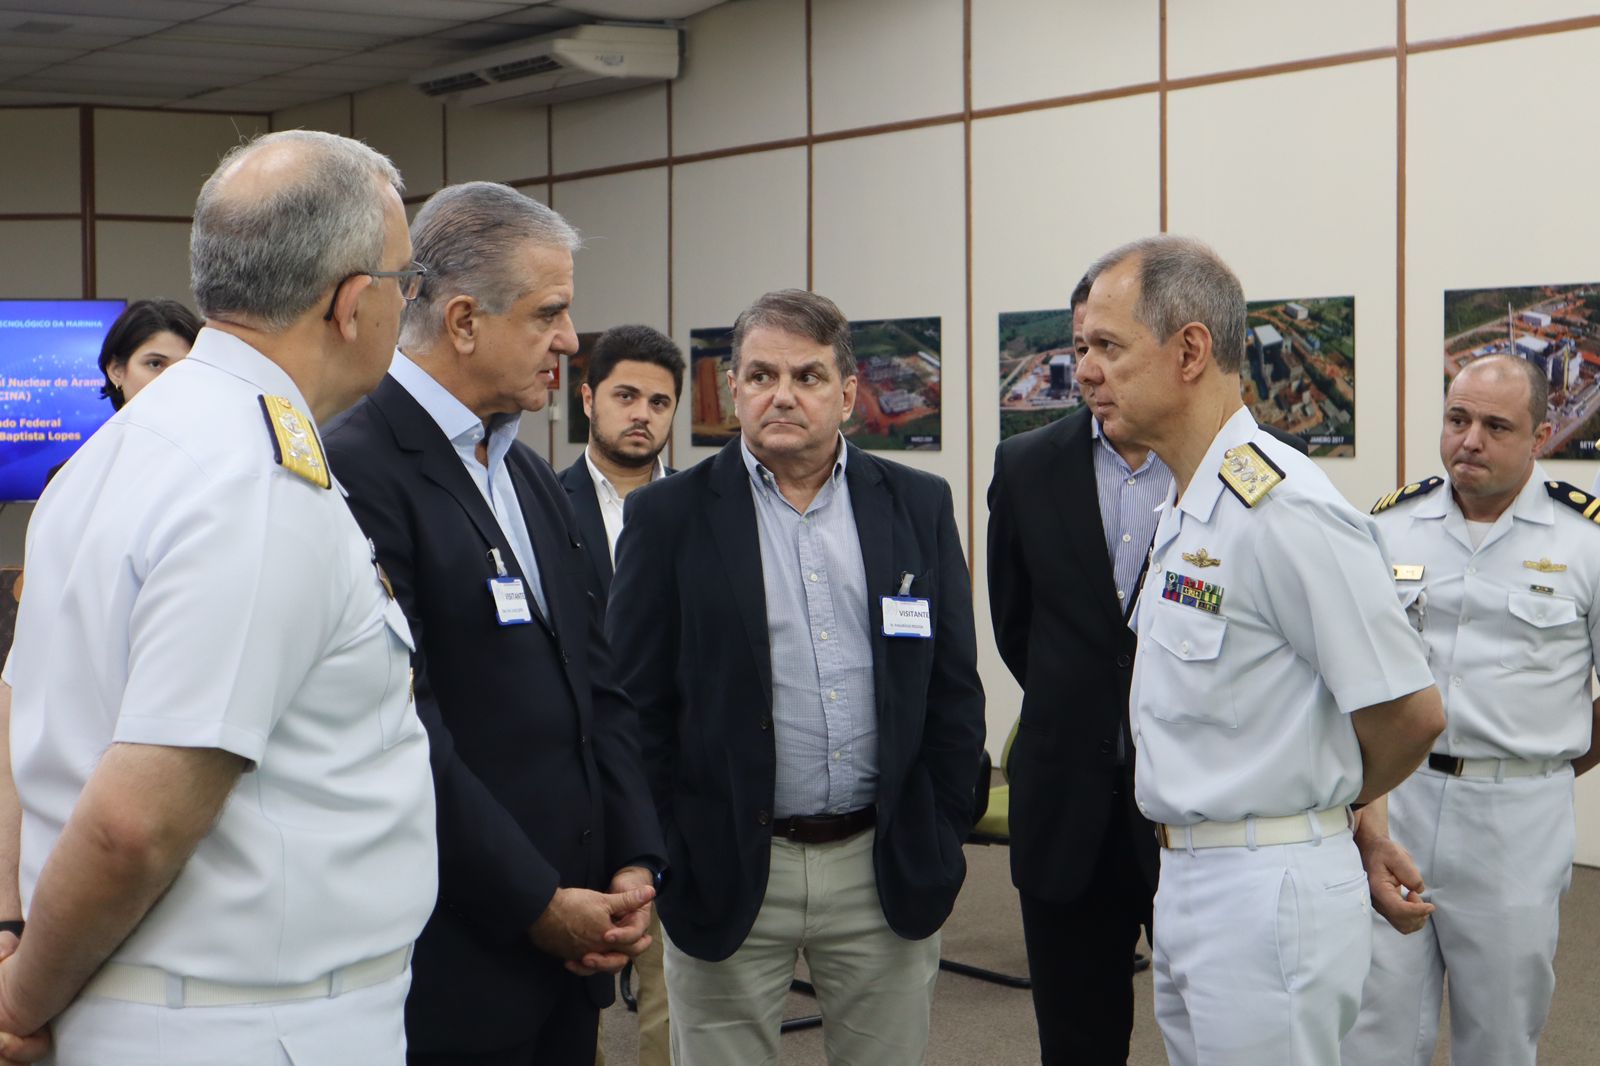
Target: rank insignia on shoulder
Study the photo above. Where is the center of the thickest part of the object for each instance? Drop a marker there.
(1407, 492)
(294, 442)
(1249, 474)
(1575, 498)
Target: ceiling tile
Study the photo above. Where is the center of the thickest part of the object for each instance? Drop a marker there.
(124, 61)
(389, 26)
(173, 10)
(76, 25)
(449, 10)
(201, 34)
(169, 45)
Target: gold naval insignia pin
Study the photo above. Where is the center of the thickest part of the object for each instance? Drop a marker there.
(1544, 566)
(1201, 558)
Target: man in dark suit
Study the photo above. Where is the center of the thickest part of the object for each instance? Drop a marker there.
(793, 618)
(1071, 517)
(630, 391)
(548, 846)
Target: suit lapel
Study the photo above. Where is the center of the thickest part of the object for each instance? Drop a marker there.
(732, 517)
(1077, 501)
(415, 431)
(873, 506)
(551, 544)
(586, 505)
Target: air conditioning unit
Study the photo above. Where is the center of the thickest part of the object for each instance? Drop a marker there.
(581, 61)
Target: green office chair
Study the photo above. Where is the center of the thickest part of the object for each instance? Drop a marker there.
(992, 825)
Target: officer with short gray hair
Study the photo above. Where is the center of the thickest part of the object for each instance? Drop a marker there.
(1276, 683)
(223, 819)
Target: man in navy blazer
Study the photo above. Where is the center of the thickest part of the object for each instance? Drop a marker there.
(548, 846)
(632, 383)
(793, 619)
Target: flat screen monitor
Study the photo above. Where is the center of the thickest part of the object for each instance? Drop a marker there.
(50, 382)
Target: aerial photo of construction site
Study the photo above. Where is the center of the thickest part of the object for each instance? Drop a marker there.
(1553, 327)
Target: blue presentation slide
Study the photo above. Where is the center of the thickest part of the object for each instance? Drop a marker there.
(50, 382)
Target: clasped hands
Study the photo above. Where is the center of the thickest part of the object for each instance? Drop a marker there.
(598, 932)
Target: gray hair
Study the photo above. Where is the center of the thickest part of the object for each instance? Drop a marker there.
(804, 314)
(1181, 280)
(270, 258)
(1513, 365)
(467, 236)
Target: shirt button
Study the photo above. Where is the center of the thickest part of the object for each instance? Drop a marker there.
(1132, 480)
(1472, 569)
(823, 635)
(813, 575)
(1121, 594)
(1455, 682)
(1184, 647)
(1127, 537)
(833, 694)
(835, 756)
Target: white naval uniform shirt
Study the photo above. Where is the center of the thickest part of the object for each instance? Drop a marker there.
(1513, 628)
(1242, 710)
(186, 590)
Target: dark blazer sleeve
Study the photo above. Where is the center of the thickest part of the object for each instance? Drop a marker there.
(489, 871)
(642, 627)
(1010, 587)
(952, 738)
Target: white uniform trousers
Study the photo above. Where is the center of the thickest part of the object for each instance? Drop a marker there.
(1496, 858)
(1260, 953)
(875, 989)
(364, 1027)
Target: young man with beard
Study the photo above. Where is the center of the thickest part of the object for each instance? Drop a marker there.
(630, 394)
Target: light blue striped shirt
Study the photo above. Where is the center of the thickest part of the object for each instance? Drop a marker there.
(1128, 509)
(824, 714)
(465, 430)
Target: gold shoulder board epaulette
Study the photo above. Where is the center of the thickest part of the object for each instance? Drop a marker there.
(1407, 492)
(1584, 503)
(1249, 474)
(294, 442)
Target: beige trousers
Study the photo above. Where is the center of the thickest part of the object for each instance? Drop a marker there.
(650, 993)
(875, 989)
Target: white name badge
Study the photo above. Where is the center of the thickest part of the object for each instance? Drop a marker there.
(907, 616)
(510, 601)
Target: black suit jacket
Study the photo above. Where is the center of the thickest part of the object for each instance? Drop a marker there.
(535, 753)
(1061, 631)
(689, 625)
(586, 506)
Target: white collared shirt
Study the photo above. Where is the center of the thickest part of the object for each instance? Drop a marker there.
(611, 500)
(464, 429)
(184, 589)
(1512, 626)
(1243, 710)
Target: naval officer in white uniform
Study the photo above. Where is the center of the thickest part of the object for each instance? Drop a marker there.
(226, 814)
(1499, 570)
(1277, 680)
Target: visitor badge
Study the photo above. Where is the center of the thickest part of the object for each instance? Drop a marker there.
(907, 616)
(510, 601)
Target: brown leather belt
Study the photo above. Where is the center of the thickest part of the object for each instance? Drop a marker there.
(823, 828)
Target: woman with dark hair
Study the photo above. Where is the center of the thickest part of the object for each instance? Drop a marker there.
(148, 337)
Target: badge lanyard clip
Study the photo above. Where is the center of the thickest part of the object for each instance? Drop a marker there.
(499, 563)
(905, 584)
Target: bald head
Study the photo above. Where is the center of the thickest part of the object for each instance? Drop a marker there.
(282, 220)
(1508, 371)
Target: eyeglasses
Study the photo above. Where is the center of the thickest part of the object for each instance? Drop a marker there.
(410, 280)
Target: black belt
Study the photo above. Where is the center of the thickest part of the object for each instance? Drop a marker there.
(1445, 764)
(824, 828)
